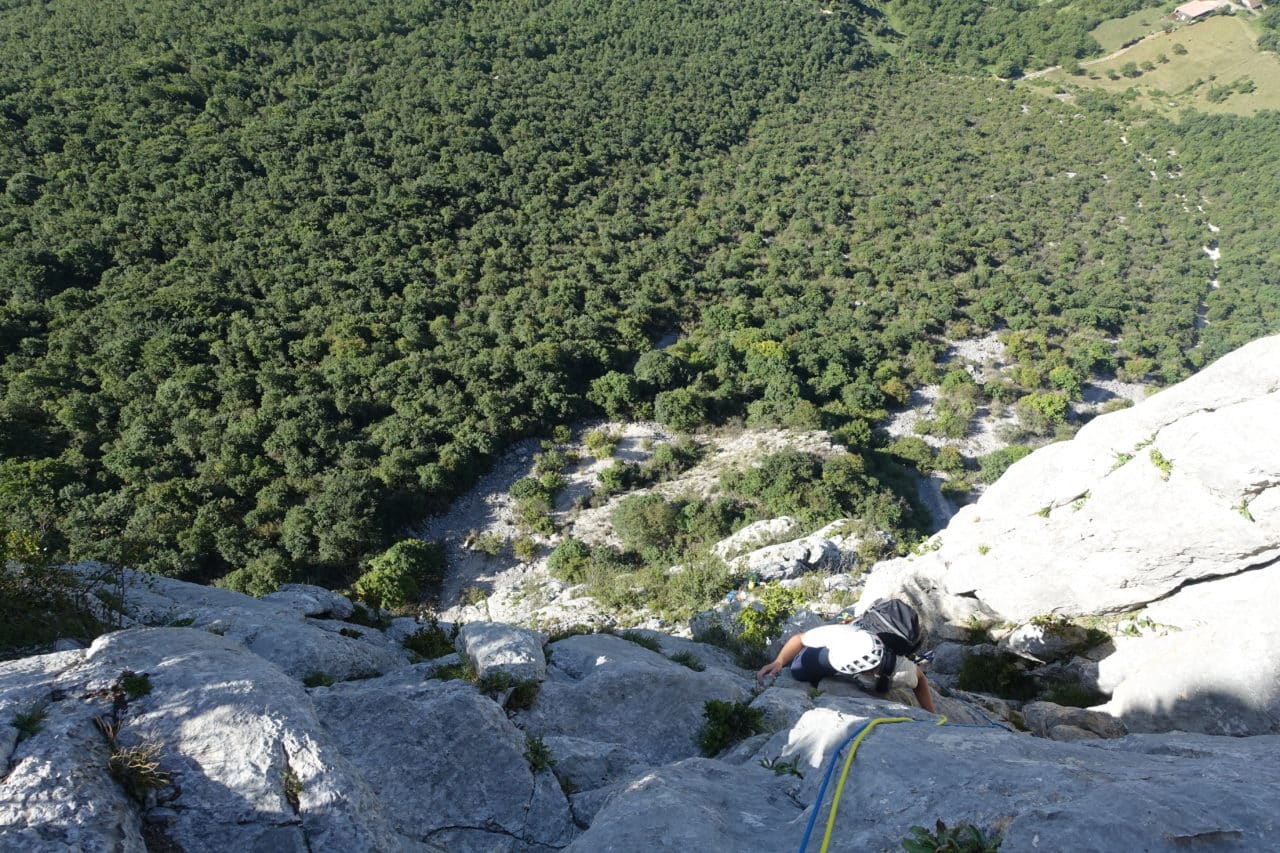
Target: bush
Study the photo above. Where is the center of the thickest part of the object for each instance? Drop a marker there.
(727, 723)
(569, 561)
(397, 576)
(681, 409)
(317, 679)
(525, 548)
(430, 641)
(912, 451)
(619, 477)
(995, 463)
(39, 603)
(601, 443)
(1000, 675)
(763, 622)
(645, 522)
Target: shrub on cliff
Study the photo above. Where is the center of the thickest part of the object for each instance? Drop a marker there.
(398, 575)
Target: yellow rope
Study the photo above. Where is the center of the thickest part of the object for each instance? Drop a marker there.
(844, 773)
(848, 762)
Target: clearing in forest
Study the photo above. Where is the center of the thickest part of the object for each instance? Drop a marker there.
(1218, 69)
(1113, 34)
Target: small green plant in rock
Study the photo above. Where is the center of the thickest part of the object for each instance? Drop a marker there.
(999, 675)
(1121, 459)
(814, 692)
(495, 682)
(966, 838)
(135, 684)
(538, 754)
(1044, 511)
(648, 641)
(455, 671)
(1162, 462)
(369, 617)
(523, 694)
(430, 641)
(137, 769)
(762, 623)
(780, 767)
(689, 659)
(984, 549)
(292, 789)
(567, 631)
(317, 679)
(979, 631)
(726, 723)
(28, 722)
(1243, 509)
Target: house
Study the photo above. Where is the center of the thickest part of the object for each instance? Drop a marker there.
(1197, 9)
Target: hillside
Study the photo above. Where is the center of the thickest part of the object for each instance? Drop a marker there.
(281, 280)
(210, 720)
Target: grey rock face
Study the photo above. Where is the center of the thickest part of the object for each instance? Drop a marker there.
(1043, 717)
(312, 600)
(231, 728)
(1045, 644)
(1040, 794)
(754, 535)
(1170, 508)
(791, 559)
(493, 647)
(612, 691)
(275, 627)
(446, 763)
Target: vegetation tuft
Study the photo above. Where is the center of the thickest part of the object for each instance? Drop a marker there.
(29, 722)
(689, 659)
(1000, 675)
(430, 641)
(966, 838)
(726, 723)
(538, 754)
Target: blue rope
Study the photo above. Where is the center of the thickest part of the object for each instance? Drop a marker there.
(826, 779)
(835, 756)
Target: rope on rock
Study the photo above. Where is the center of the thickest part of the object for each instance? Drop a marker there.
(856, 740)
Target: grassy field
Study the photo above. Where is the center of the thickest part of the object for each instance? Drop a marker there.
(1112, 34)
(1220, 52)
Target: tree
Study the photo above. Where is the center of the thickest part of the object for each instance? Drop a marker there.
(398, 576)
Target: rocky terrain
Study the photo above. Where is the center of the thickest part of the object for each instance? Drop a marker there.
(1138, 560)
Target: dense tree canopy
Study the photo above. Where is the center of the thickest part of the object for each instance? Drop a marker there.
(279, 278)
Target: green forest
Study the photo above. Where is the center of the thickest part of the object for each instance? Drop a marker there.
(281, 278)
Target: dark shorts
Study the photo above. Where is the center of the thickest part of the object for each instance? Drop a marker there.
(812, 665)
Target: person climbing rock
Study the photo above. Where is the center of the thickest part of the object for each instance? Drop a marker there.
(848, 650)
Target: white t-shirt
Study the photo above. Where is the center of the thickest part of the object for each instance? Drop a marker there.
(830, 636)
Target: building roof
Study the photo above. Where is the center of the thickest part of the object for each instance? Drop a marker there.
(1196, 8)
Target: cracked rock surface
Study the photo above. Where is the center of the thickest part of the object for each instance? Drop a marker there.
(1168, 511)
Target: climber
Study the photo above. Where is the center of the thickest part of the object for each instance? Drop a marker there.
(848, 650)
